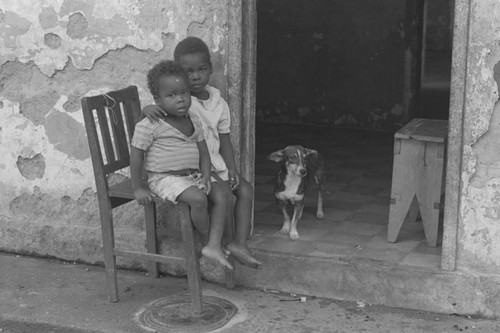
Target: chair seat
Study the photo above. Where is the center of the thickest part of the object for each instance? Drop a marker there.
(122, 190)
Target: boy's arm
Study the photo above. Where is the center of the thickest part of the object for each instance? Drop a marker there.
(141, 191)
(205, 163)
(153, 112)
(226, 150)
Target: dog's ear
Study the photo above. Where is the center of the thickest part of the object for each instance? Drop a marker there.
(311, 152)
(277, 156)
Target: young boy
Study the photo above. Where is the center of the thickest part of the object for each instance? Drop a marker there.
(177, 159)
(193, 55)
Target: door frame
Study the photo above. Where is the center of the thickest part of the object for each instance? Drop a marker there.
(242, 67)
(241, 75)
(454, 185)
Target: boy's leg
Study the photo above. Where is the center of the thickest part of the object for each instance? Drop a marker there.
(220, 197)
(229, 226)
(183, 189)
(242, 220)
(198, 206)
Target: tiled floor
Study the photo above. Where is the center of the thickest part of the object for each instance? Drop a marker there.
(356, 199)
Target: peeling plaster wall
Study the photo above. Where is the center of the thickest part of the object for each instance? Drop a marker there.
(53, 53)
(479, 224)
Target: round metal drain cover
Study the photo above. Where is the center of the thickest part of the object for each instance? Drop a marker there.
(175, 314)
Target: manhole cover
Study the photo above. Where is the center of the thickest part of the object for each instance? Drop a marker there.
(174, 313)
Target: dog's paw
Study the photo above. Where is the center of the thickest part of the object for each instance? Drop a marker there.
(286, 228)
(320, 215)
(294, 235)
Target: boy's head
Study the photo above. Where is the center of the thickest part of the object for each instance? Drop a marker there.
(193, 55)
(169, 85)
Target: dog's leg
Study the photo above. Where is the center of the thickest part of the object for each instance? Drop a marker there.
(297, 214)
(319, 211)
(286, 223)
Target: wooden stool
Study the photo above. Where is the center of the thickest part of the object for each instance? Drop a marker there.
(417, 176)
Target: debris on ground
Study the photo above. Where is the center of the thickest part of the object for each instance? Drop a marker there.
(360, 304)
(271, 291)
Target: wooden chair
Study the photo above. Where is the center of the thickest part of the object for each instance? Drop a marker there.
(109, 121)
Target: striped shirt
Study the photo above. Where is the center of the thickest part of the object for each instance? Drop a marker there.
(168, 149)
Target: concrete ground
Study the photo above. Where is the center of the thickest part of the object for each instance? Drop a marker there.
(42, 296)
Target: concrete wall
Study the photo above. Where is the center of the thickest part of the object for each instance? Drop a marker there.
(52, 53)
(478, 233)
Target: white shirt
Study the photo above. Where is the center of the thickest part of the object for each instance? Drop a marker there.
(214, 114)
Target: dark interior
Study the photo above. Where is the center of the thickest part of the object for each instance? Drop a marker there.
(330, 77)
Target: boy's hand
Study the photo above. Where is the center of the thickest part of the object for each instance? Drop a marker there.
(206, 183)
(143, 196)
(154, 113)
(234, 179)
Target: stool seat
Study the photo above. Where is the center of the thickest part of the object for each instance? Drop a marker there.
(418, 176)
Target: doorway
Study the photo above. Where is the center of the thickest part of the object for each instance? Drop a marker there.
(334, 85)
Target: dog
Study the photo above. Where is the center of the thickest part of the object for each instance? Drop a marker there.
(299, 166)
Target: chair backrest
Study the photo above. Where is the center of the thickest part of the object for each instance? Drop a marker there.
(110, 120)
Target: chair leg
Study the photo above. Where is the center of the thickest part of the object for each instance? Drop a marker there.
(151, 241)
(192, 263)
(108, 244)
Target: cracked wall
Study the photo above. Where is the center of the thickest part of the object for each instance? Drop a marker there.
(53, 53)
(479, 221)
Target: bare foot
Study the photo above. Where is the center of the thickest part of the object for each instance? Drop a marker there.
(243, 255)
(216, 255)
(225, 250)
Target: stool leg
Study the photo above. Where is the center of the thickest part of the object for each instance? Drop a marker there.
(151, 241)
(429, 192)
(398, 211)
(430, 219)
(192, 263)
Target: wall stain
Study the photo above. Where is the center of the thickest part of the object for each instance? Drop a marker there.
(52, 40)
(71, 6)
(31, 167)
(483, 233)
(37, 203)
(77, 26)
(486, 148)
(13, 26)
(48, 18)
(67, 135)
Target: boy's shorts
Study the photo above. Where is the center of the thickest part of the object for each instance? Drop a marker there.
(168, 186)
(224, 174)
